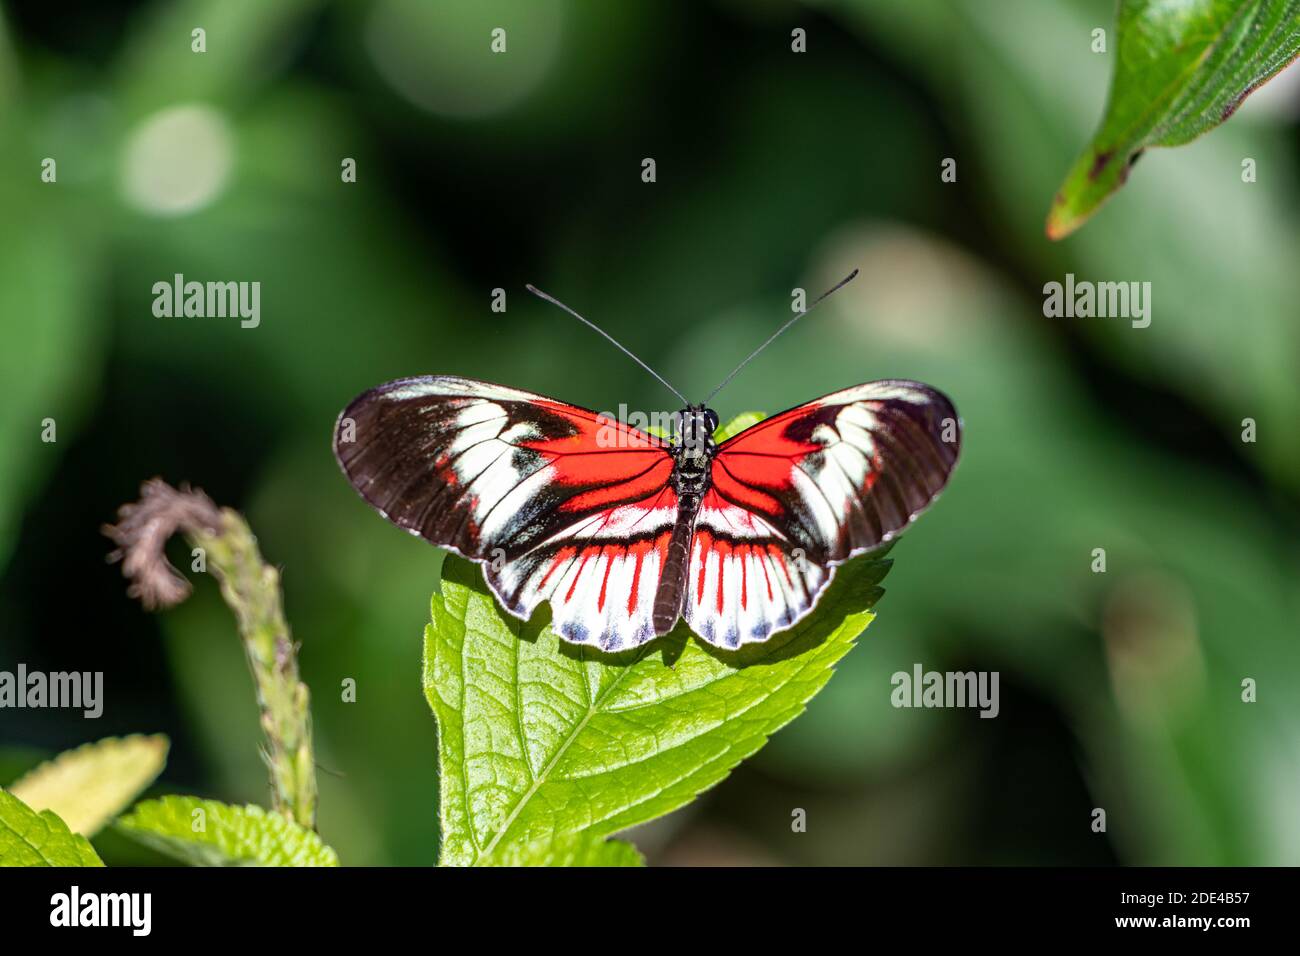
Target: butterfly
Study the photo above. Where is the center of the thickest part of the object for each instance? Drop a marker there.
(623, 531)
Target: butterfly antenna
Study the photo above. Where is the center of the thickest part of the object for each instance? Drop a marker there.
(797, 316)
(554, 301)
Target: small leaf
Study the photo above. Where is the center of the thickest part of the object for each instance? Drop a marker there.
(89, 786)
(541, 742)
(224, 835)
(737, 425)
(1182, 67)
(28, 838)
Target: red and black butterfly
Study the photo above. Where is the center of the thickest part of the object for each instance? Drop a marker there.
(624, 532)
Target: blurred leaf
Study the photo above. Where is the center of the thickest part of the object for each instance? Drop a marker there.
(540, 741)
(440, 56)
(1181, 68)
(245, 43)
(89, 786)
(8, 65)
(28, 838)
(227, 836)
(49, 362)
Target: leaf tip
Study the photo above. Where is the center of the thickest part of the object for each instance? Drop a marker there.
(1058, 226)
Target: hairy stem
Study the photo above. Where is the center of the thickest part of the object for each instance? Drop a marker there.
(251, 588)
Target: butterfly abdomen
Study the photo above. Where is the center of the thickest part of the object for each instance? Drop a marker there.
(672, 582)
(690, 480)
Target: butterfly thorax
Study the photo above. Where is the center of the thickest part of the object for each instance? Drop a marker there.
(693, 449)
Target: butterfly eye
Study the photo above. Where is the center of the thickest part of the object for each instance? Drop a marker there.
(711, 417)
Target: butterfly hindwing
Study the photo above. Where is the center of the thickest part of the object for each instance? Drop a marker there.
(805, 490)
(558, 503)
(601, 575)
(745, 579)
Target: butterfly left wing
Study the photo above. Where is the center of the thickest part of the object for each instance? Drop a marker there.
(806, 490)
(558, 503)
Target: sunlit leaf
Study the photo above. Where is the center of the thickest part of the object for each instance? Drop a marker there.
(28, 838)
(208, 833)
(579, 849)
(89, 786)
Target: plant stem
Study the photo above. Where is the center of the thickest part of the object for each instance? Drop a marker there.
(252, 589)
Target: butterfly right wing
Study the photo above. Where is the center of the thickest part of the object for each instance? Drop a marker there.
(557, 502)
(801, 492)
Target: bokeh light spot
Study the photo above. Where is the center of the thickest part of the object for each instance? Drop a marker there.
(177, 160)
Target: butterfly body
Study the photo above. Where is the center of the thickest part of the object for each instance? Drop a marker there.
(622, 532)
(692, 451)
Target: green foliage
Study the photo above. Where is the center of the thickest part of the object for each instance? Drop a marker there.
(573, 849)
(1181, 68)
(737, 425)
(545, 748)
(224, 835)
(89, 786)
(48, 363)
(28, 838)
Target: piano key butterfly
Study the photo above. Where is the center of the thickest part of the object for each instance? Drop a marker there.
(622, 531)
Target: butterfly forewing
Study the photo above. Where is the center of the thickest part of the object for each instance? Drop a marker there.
(805, 490)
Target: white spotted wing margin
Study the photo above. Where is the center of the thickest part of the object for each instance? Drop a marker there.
(540, 741)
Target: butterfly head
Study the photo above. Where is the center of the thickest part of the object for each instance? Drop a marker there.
(694, 428)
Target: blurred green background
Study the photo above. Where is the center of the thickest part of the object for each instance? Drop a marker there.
(476, 171)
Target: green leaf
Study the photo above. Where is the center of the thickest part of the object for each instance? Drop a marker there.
(541, 742)
(224, 835)
(577, 849)
(89, 786)
(1182, 67)
(737, 425)
(725, 431)
(28, 838)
